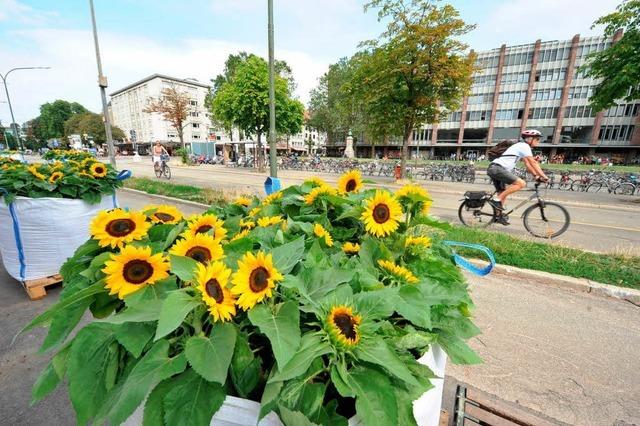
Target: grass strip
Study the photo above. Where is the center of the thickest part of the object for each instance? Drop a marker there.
(619, 270)
(615, 269)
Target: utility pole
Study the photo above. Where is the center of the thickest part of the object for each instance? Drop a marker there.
(273, 164)
(102, 82)
(14, 125)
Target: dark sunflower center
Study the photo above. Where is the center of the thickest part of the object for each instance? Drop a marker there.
(55, 177)
(165, 217)
(137, 271)
(259, 279)
(214, 290)
(199, 253)
(345, 324)
(351, 185)
(381, 213)
(203, 229)
(120, 227)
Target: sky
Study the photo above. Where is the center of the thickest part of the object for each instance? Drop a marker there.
(192, 39)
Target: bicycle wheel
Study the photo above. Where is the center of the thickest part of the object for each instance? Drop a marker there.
(167, 171)
(577, 185)
(546, 220)
(625, 189)
(476, 217)
(594, 187)
(158, 171)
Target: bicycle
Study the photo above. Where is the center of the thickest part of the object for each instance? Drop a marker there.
(478, 211)
(163, 169)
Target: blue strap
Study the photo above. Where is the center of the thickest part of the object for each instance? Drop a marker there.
(464, 263)
(16, 235)
(124, 174)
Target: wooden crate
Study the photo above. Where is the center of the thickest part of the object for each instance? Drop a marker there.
(36, 289)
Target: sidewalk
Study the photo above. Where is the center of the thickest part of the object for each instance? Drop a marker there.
(569, 355)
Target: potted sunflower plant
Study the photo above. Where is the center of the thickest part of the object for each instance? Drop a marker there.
(311, 306)
(46, 209)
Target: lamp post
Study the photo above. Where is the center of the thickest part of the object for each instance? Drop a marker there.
(6, 89)
(273, 165)
(102, 82)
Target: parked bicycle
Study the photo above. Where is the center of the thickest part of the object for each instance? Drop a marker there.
(542, 219)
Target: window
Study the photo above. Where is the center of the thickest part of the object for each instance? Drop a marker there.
(512, 96)
(616, 133)
(477, 115)
(507, 114)
(546, 94)
(484, 80)
(194, 114)
(195, 125)
(551, 74)
(543, 113)
(193, 103)
(518, 58)
(480, 98)
(196, 136)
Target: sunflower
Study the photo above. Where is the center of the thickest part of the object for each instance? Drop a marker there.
(57, 165)
(33, 169)
(254, 211)
(200, 247)
(350, 182)
(133, 269)
(248, 224)
(343, 324)
(426, 206)
(316, 181)
(320, 232)
(164, 214)
(85, 174)
(417, 241)
(310, 198)
(412, 189)
(241, 234)
(269, 220)
(407, 192)
(55, 176)
(381, 214)
(212, 282)
(116, 227)
(351, 248)
(205, 224)
(255, 279)
(87, 161)
(242, 201)
(98, 169)
(398, 271)
(271, 198)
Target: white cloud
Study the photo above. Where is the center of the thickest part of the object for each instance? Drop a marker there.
(12, 10)
(524, 21)
(125, 59)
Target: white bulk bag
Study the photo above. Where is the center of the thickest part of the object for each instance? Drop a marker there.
(37, 235)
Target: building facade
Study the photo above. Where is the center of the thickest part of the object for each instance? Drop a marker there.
(308, 138)
(539, 86)
(128, 104)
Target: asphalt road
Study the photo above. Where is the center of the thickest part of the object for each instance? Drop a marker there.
(569, 356)
(599, 222)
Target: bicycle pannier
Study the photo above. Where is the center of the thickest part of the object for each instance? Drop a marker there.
(475, 199)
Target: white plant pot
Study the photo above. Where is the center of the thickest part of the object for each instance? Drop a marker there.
(244, 412)
(37, 235)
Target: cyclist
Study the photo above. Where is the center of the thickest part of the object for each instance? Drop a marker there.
(501, 170)
(158, 152)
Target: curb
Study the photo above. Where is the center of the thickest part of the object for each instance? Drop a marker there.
(166, 198)
(563, 282)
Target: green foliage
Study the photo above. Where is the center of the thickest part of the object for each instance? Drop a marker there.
(330, 326)
(183, 153)
(617, 66)
(91, 124)
(53, 116)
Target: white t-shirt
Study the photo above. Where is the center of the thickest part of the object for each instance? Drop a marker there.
(513, 154)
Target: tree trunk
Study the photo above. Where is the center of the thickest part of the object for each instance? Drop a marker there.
(181, 135)
(373, 149)
(408, 138)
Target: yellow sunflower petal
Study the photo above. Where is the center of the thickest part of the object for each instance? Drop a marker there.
(398, 271)
(255, 279)
(212, 281)
(382, 214)
(114, 228)
(351, 248)
(164, 214)
(98, 169)
(350, 182)
(343, 326)
(201, 247)
(206, 224)
(133, 269)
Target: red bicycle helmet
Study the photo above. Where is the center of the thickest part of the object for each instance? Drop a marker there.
(531, 133)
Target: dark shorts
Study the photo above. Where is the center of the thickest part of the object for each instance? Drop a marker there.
(500, 176)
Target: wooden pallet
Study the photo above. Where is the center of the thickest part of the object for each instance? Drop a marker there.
(36, 289)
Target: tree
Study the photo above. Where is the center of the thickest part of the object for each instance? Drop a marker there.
(243, 101)
(34, 139)
(617, 66)
(416, 70)
(174, 105)
(53, 115)
(91, 124)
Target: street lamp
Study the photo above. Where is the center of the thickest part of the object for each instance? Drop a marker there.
(6, 89)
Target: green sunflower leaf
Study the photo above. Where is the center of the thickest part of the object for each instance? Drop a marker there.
(174, 309)
(457, 350)
(184, 267)
(192, 400)
(172, 235)
(293, 418)
(211, 357)
(153, 414)
(154, 367)
(134, 336)
(375, 402)
(411, 304)
(286, 256)
(311, 347)
(46, 382)
(143, 312)
(376, 351)
(269, 397)
(281, 326)
(245, 367)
